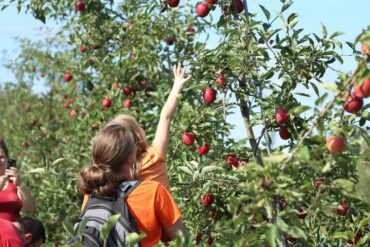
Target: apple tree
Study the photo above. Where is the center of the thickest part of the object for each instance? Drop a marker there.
(115, 57)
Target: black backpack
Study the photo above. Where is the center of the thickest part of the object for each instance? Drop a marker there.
(99, 209)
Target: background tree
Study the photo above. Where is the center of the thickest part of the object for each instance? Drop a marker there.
(112, 57)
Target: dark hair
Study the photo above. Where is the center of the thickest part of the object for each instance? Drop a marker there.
(35, 227)
(4, 147)
(112, 146)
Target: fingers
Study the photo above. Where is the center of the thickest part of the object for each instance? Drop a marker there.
(183, 71)
(174, 70)
(179, 68)
(187, 78)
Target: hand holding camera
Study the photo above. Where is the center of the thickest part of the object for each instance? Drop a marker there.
(12, 172)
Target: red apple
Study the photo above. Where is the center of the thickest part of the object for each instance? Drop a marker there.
(95, 126)
(335, 144)
(80, 6)
(220, 80)
(198, 238)
(106, 103)
(73, 113)
(282, 116)
(34, 122)
(342, 209)
(202, 9)
(363, 91)
(212, 1)
(173, 3)
(353, 104)
(82, 48)
(232, 161)
(282, 203)
(364, 49)
(132, 56)
(70, 101)
(127, 91)
(209, 95)
(203, 149)
(289, 238)
(210, 240)
(135, 88)
(301, 214)
(190, 29)
(237, 6)
(127, 103)
(284, 133)
(188, 138)
(170, 41)
(207, 199)
(67, 76)
(319, 181)
(144, 83)
(25, 144)
(357, 238)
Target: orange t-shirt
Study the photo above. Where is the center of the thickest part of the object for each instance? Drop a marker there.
(153, 167)
(153, 208)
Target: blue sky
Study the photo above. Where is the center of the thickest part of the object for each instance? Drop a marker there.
(350, 17)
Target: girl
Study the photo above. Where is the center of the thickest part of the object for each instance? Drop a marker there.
(113, 161)
(13, 196)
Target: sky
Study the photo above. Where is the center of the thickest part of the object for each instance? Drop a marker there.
(350, 17)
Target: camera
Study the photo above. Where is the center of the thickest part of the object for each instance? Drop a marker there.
(11, 163)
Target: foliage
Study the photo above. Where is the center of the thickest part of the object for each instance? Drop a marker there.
(266, 65)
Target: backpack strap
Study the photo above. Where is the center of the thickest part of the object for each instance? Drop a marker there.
(126, 187)
(120, 205)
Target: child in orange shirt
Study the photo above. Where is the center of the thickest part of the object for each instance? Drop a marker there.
(151, 163)
(152, 158)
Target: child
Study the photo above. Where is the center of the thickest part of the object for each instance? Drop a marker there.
(152, 160)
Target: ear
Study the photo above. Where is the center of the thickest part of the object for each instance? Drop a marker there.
(28, 238)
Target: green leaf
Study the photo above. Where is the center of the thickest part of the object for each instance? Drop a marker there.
(286, 6)
(343, 184)
(299, 109)
(266, 12)
(186, 170)
(366, 136)
(292, 19)
(324, 31)
(81, 227)
(210, 169)
(340, 235)
(134, 238)
(332, 87)
(304, 154)
(321, 99)
(363, 223)
(272, 235)
(335, 34)
(68, 227)
(108, 226)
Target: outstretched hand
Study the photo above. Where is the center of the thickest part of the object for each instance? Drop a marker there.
(178, 72)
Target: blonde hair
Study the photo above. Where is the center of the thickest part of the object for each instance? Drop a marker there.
(128, 121)
(112, 147)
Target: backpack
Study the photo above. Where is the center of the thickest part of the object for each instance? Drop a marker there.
(99, 209)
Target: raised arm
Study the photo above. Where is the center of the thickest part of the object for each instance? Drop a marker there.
(161, 138)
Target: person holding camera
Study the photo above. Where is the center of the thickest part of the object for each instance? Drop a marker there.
(14, 195)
